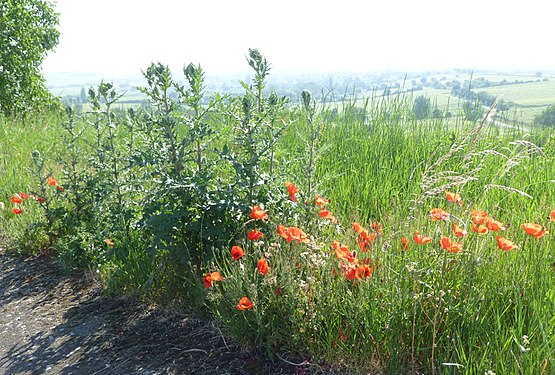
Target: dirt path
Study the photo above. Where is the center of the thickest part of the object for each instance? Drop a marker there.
(54, 323)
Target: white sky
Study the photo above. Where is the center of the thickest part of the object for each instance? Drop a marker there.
(125, 36)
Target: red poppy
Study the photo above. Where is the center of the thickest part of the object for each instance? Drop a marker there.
(320, 202)
(258, 214)
(292, 234)
(494, 225)
(453, 197)
(254, 235)
(16, 199)
(405, 242)
(439, 214)
(481, 229)
(109, 242)
(459, 232)
(292, 190)
(349, 271)
(23, 195)
(377, 227)
(52, 182)
(449, 245)
(505, 244)
(536, 230)
(17, 211)
(342, 252)
(40, 199)
(325, 214)
(479, 216)
(358, 228)
(552, 215)
(237, 252)
(262, 266)
(245, 304)
(210, 278)
(364, 271)
(420, 239)
(365, 242)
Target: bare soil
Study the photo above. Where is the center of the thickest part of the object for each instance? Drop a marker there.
(52, 322)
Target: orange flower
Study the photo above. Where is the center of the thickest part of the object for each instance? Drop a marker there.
(364, 241)
(17, 211)
(258, 213)
(245, 304)
(320, 202)
(109, 242)
(405, 242)
(342, 252)
(292, 190)
(51, 181)
(254, 235)
(377, 227)
(364, 271)
(210, 278)
(420, 239)
(325, 214)
(481, 229)
(459, 232)
(439, 214)
(237, 252)
(262, 266)
(552, 215)
(292, 234)
(282, 231)
(450, 245)
(357, 227)
(16, 199)
(349, 271)
(536, 230)
(479, 216)
(505, 244)
(23, 195)
(453, 197)
(494, 225)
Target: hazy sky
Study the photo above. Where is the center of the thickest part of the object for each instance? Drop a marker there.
(125, 36)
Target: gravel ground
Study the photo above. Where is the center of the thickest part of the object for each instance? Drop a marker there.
(52, 322)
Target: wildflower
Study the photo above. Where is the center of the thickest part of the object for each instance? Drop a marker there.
(420, 239)
(505, 244)
(258, 213)
(364, 242)
(245, 304)
(282, 231)
(292, 234)
(342, 252)
(210, 278)
(536, 230)
(494, 225)
(552, 215)
(254, 235)
(439, 214)
(262, 266)
(52, 182)
(453, 197)
(60, 189)
(16, 199)
(349, 271)
(478, 216)
(237, 252)
(405, 242)
(364, 271)
(320, 202)
(377, 227)
(459, 232)
(358, 228)
(325, 214)
(292, 190)
(481, 229)
(17, 211)
(450, 245)
(40, 199)
(23, 195)
(109, 242)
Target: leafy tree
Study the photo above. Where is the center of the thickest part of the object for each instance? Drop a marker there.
(421, 108)
(28, 30)
(546, 118)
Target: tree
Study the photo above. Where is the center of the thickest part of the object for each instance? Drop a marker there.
(421, 108)
(28, 30)
(546, 118)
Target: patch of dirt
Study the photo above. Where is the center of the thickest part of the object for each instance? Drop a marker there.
(55, 323)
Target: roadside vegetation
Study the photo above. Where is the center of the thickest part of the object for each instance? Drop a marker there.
(356, 235)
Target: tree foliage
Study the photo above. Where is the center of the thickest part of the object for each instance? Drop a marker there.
(28, 30)
(422, 107)
(546, 118)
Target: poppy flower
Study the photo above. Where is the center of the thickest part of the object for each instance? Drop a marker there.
(478, 216)
(494, 225)
(262, 266)
(60, 189)
(210, 278)
(40, 199)
(453, 197)
(364, 241)
(254, 235)
(237, 252)
(357, 227)
(292, 190)
(420, 239)
(23, 195)
(109, 242)
(552, 215)
(505, 244)
(52, 181)
(342, 252)
(17, 211)
(536, 230)
(449, 245)
(245, 304)
(258, 214)
(349, 271)
(292, 234)
(364, 271)
(439, 214)
(325, 214)
(16, 199)
(405, 243)
(478, 228)
(320, 202)
(459, 232)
